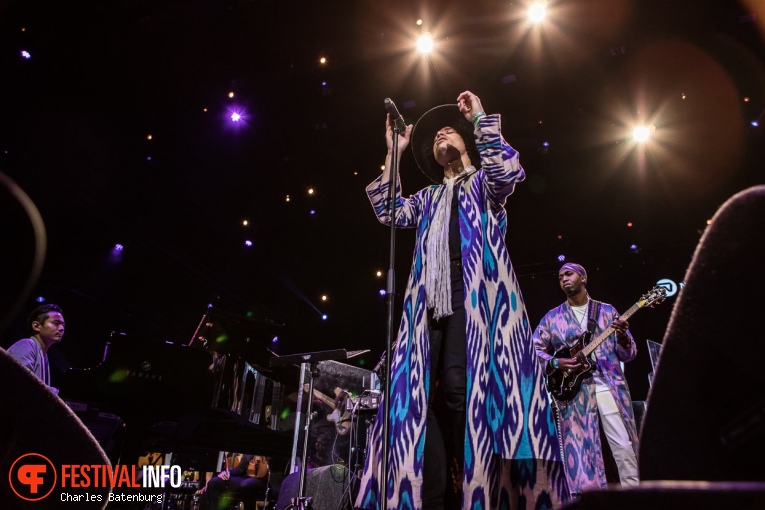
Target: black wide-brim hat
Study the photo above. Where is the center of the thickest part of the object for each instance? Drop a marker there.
(424, 134)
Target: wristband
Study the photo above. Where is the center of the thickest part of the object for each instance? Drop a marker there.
(476, 116)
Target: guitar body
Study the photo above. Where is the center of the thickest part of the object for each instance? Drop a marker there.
(260, 465)
(564, 385)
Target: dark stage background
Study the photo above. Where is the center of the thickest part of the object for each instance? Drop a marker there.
(75, 121)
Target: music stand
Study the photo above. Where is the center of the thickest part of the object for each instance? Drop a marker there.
(312, 359)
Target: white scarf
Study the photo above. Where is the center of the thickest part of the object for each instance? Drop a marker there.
(438, 285)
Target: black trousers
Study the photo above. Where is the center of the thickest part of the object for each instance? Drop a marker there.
(444, 453)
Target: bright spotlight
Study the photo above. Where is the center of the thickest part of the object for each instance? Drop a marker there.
(642, 133)
(236, 117)
(425, 43)
(537, 12)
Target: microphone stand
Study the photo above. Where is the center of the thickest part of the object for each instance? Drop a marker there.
(398, 127)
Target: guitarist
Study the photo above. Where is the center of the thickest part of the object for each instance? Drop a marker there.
(603, 401)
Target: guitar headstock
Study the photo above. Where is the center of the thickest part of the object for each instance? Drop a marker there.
(653, 297)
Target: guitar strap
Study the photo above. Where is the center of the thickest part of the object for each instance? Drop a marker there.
(592, 316)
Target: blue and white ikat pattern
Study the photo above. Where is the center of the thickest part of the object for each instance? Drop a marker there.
(508, 415)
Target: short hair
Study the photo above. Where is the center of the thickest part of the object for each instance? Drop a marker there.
(41, 313)
(466, 130)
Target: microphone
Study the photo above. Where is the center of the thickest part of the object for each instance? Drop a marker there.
(395, 118)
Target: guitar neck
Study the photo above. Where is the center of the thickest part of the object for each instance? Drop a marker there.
(602, 337)
(324, 398)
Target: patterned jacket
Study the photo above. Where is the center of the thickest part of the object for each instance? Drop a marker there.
(579, 418)
(508, 415)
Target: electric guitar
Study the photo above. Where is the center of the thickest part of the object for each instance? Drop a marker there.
(563, 385)
(339, 415)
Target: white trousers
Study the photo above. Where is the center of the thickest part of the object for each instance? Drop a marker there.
(618, 439)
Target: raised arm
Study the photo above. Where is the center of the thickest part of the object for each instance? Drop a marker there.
(499, 160)
(407, 210)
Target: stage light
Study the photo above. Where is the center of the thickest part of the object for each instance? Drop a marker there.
(25, 54)
(236, 117)
(323, 60)
(148, 158)
(231, 94)
(287, 198)
(116, 254)
(313, 211)
(746, 99)
(383, 292)
(755, 123)
(323, 317)
(379, 274)
(642, 133)
(245, 222)
(537, 12)
(419, 22)
(324, 297)
(425, 43)
(274, 339)
(310, 191)
(382, 167)
(633, 247)
(629, 224)
(682, 96)
(40, 299)
(204, 109)
(561, 258)
(209, 305)
(248, 243)
(149, 137)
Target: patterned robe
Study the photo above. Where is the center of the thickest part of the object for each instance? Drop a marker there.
(579, 420)
(508, 416)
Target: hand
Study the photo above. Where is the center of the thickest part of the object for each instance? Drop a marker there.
(224, 475)
(621, 327)
(403, 138)
(469, 104)
(567, 364)
(202, 490)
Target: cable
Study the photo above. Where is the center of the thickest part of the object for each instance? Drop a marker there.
(38, 261)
